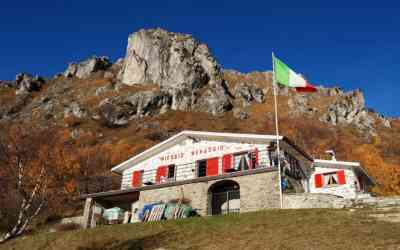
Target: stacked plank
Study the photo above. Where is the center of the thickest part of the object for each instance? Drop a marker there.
(155, 214)
(167, 211)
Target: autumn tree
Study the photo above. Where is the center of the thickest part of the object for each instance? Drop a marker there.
(26, 161)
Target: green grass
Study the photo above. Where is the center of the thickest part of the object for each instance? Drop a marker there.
(274, 229)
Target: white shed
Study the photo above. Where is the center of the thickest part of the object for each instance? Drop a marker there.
(345, 179)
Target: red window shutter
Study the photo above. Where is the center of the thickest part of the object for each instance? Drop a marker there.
(341, 177)
(161, 172)
(318, 180)
(212, 167)
(226, 163)
(136, 178)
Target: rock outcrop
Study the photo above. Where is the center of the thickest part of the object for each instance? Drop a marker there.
(118, 111)
(350, 109)
(9, 84)
(299, 105)
(74, 109)
(330, 91)
(26, 83)
(180, 65)
(247, 93)
(85, 68)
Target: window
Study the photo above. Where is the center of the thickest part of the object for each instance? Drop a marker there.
(243, 161)
(330, 179)
(201, 168)
(171, 171)
(165, 173)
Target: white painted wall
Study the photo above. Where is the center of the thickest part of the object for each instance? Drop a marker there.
(185, 154)
(348, 190)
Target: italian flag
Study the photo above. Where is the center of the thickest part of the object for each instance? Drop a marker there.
(287, 77)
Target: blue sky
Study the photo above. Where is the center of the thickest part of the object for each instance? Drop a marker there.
(353, 44)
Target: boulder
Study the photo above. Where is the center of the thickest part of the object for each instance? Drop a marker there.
(385, 122)
(85, 68)
(104, 89)
(240, 114)
(74, 109)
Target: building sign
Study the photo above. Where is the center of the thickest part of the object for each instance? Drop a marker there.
(203, 151)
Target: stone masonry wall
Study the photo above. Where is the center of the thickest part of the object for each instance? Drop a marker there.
(307, 200)
(257, 191)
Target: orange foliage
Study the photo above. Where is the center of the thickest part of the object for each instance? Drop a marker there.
(387, 175)
(72, 121)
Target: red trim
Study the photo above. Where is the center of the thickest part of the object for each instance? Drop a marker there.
(161, 172)
(136, 178)
(341, 177)
(318, 180)
(257, 156)
(226, 162)
(212, 167)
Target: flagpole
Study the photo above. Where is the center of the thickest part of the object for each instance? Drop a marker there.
(277, 132)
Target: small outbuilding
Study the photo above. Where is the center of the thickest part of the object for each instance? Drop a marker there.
(341, 178)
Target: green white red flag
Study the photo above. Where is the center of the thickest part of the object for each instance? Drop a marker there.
(287, 77)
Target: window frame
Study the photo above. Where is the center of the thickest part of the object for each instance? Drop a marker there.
(335, 174)
(198, 169)
(168, 172)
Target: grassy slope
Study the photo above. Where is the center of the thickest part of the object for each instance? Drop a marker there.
(274, 229)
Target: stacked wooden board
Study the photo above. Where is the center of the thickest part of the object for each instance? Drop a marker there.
(167, 211)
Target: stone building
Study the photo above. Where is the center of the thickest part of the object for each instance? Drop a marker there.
(217, 173)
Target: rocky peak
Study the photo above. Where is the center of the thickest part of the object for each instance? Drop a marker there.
(171, 60)
(185, 70)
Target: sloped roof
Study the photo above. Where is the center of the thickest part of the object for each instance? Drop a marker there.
(340, 163)
(200, 135)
